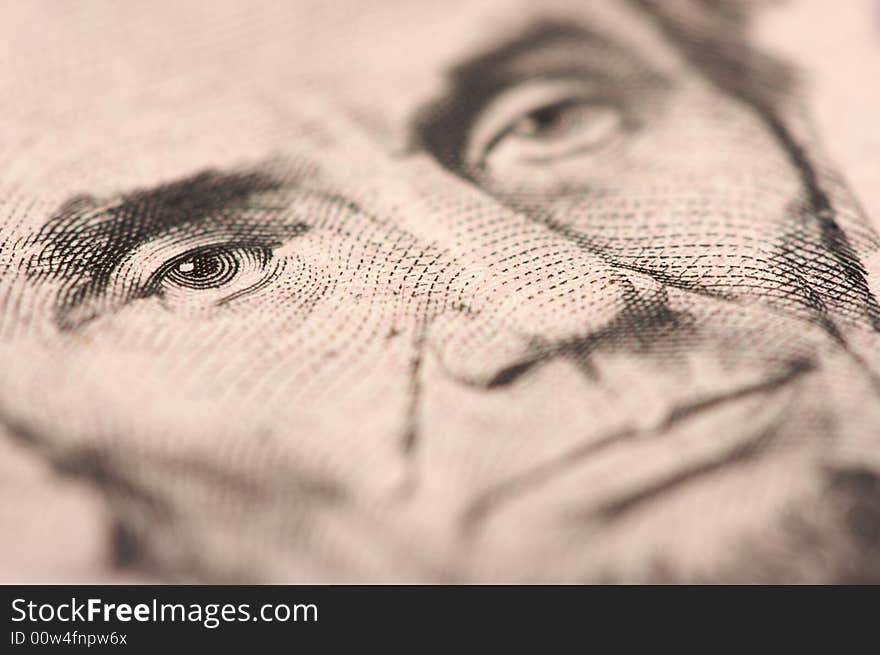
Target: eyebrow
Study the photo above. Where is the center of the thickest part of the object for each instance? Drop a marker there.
(86, 239)
(442, 124)
(88, 235)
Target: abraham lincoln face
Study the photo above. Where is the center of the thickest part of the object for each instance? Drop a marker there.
(548, 291)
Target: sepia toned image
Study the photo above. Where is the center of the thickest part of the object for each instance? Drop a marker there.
(422, 291)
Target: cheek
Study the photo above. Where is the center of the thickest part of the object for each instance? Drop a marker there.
(737, 243)
(328, 300)
(271, 391)
(333, 337)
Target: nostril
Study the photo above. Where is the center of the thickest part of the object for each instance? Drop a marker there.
(501, 339)
(511, 374)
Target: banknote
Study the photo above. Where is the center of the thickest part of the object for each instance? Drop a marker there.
(531, 291)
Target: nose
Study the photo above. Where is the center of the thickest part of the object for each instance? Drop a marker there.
(568, 298)
(522, 290)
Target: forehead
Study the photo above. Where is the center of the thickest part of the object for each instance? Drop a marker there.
(108, 95)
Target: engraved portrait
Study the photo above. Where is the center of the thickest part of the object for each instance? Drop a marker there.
(461, 291)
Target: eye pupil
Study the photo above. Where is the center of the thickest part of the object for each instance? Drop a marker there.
(200, 268)
(204, 270)
(551, 121)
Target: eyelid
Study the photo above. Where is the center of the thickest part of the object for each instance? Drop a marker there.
(158, 277)
(502, 112)
(141, 269)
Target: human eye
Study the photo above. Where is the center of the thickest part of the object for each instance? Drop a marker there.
(530, 136)
(210, 274)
